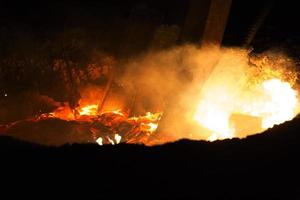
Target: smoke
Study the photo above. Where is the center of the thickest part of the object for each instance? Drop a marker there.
(175, 80)
(171, 81)
(163, 76)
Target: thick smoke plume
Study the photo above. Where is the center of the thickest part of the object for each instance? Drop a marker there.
(175, 80)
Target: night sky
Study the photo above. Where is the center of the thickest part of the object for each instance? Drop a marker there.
(48, 16)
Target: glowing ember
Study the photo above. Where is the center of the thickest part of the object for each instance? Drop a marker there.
(64, 113)
(118, 138)
(99, 141)
(142, 127)
(152, 127)
(89, 110)
(118, 112)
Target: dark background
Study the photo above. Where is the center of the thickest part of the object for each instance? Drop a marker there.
(40, 19)
(109, 19)
(126, 28)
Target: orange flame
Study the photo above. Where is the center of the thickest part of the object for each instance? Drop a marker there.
(88, 110)
(274, 101)
(234, 93)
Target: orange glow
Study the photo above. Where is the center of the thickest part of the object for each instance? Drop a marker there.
(229, 106)
(142, 126)
(118, 112)
(233, 97)
(273, 101)
(88, 110)
(279, 106)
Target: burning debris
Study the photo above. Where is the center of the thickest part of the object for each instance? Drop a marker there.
(111, 127)
(239, 96)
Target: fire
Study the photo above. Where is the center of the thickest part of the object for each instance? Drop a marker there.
(118, 112)
(88, 110)
(152, 127)
(100, 141)
(215, 119)
(273, 101)
(118, 138)
(140, 127)
(237, 98)
(277, 103)
(228, 107)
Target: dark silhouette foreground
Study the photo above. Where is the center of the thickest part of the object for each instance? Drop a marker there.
(263, 166)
